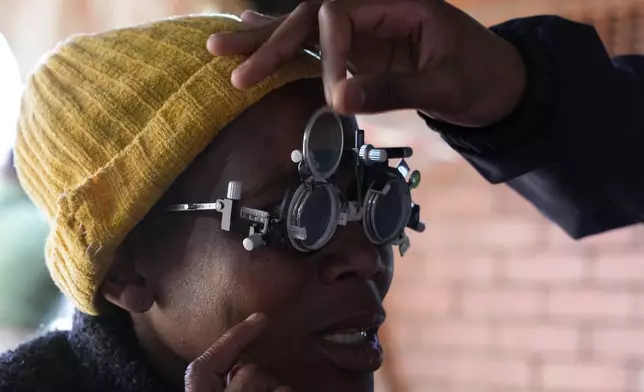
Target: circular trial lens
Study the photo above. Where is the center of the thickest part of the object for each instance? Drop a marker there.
(315, 211)
(323, 144)
(387, 214)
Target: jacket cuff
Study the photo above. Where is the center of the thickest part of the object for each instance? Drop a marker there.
(532, 117)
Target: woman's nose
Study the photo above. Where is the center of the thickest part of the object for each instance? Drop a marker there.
(351, 254)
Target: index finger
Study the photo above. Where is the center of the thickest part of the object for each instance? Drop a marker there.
(285, 42)
(335, 42)
(224, 354)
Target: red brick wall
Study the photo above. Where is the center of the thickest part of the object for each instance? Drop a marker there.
(492, 297)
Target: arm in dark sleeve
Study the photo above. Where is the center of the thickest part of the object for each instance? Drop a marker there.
(574, 146)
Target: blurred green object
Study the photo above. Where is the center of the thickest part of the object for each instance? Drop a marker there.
(28, 297)
(414, 179)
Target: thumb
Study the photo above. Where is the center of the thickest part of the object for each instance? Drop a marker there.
(255, 19)
(383, 92)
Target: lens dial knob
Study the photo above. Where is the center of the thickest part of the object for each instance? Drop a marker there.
(369, 154)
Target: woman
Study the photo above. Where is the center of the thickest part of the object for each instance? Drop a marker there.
(512, 100)
(115, 130)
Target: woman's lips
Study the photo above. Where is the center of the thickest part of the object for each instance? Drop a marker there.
(355, 350)
(352, 343)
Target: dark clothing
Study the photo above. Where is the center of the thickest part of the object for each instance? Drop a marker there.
(100, 354)
(572, 149)
(574, 146)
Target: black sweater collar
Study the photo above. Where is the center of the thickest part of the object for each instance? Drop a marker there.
(110, 355)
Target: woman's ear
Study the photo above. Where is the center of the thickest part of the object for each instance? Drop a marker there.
(125, 285)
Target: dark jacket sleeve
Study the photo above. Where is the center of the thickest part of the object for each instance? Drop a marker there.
(574, 146)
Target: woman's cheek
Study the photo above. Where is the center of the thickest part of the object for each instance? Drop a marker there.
(276, 286)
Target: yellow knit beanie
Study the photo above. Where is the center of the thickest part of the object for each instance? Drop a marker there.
(109, 121)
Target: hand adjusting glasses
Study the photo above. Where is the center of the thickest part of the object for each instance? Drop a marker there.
(379, 197)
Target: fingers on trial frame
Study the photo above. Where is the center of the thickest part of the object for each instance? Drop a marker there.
(209, 372)
(270, 42)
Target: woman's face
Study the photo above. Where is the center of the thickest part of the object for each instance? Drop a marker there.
(205, 282)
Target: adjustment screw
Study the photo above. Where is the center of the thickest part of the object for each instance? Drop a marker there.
(234, 190)
(253, 242)
(296, 156)
(420, 227)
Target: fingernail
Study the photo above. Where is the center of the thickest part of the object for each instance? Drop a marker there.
(255, 15)
(237, 76)
(210, 43)
(328, 94)
(255, 317)
(234, 372)
(253, 12)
